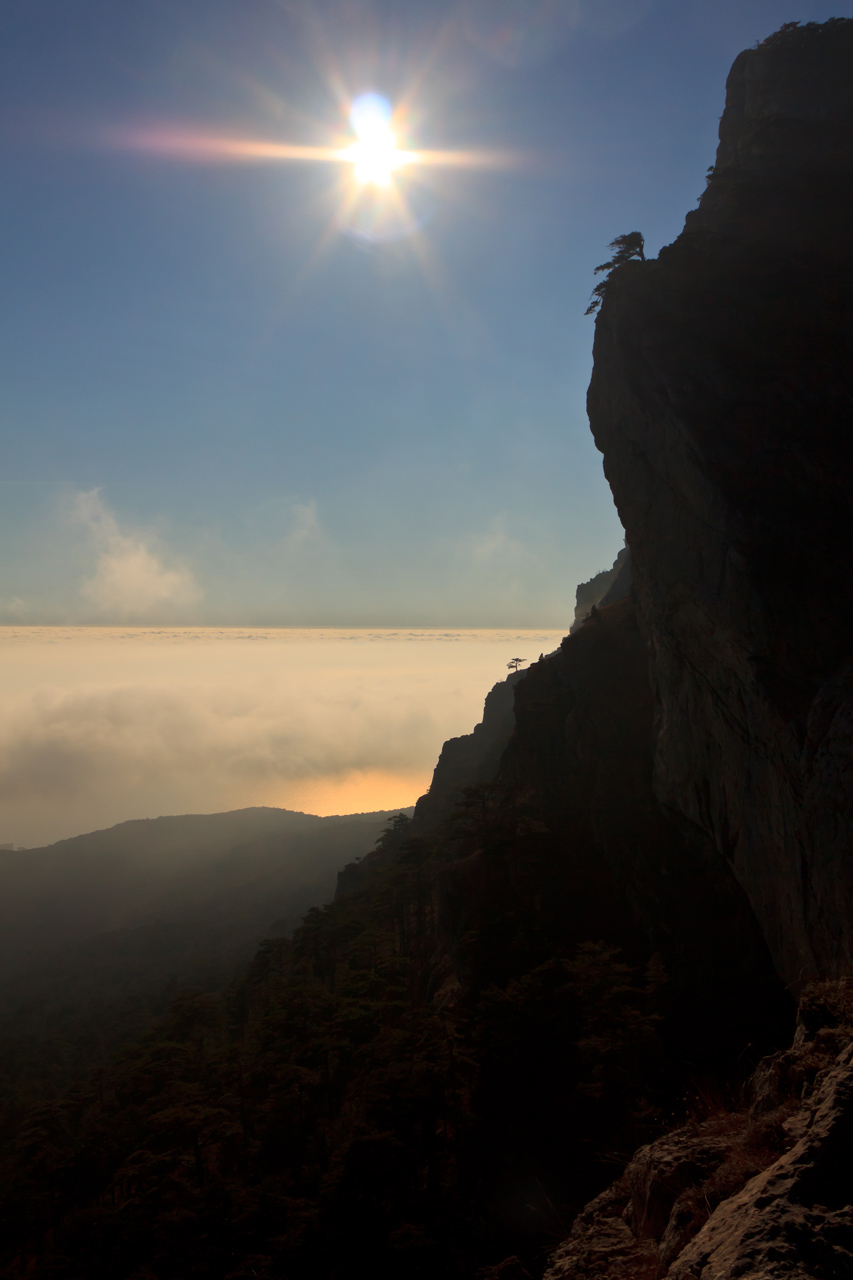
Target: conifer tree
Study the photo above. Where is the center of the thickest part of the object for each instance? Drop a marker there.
(627, 248)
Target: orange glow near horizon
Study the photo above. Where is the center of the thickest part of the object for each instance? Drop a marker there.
(362, 791)
(102, 724)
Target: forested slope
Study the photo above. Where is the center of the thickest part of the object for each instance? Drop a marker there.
(348, 1105)
(101, 932)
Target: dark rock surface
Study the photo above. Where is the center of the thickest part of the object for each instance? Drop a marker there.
(603, 588)
(722, 401)
(576, 848)
(762, 1192)
(473, 757)
(581, 759)
(620, 585)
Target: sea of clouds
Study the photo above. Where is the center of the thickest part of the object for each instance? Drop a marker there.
(104, 724)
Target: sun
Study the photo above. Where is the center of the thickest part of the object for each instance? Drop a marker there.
(376, 155)
(371, 204)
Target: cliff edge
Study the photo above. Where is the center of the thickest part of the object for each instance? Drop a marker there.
(721, 400)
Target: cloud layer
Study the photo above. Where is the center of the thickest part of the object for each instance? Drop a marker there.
(101, 727)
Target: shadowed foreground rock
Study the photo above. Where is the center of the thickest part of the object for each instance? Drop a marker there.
(762, 1193)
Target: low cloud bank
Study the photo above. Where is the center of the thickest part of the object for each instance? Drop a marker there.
(132, 751)
(96, 732)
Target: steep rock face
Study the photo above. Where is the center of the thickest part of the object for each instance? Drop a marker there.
(568, 844)
(722, 401)
(581, 761)
(472, 757)
(609, 585)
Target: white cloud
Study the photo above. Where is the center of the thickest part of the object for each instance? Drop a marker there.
(130, 580)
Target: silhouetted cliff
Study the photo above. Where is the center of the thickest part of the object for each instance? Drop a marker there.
(721, 399)
(473, 757)
(603, 588)
(573, 846)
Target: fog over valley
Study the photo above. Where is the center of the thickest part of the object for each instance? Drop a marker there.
(104, 724)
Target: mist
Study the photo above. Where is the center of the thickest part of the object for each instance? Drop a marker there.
(104, 724)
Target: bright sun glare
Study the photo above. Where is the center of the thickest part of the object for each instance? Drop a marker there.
(375, 155)
(372, 205)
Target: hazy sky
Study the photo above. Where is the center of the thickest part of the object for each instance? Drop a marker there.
(220, 405)
(98, 725)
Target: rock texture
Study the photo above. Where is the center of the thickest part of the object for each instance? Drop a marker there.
(722, 401)
(763, 1193)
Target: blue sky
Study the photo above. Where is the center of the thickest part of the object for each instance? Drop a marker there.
(201, 423)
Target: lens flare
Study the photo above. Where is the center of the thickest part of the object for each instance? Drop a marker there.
(372, 206)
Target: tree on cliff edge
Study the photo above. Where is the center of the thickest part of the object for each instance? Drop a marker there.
(627, 248)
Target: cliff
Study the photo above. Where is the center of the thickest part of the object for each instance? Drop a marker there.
(576, 848)
(603, 588)
(473, 757)
(721, 401)
(581, 757)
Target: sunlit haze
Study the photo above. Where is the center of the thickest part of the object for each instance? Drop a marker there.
(104, 724)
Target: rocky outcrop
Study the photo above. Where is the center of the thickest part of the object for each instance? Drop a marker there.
(466, 761)
(763, 1192)
(677, 780)
(603, 588)
(471, 758)
(722, 402)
